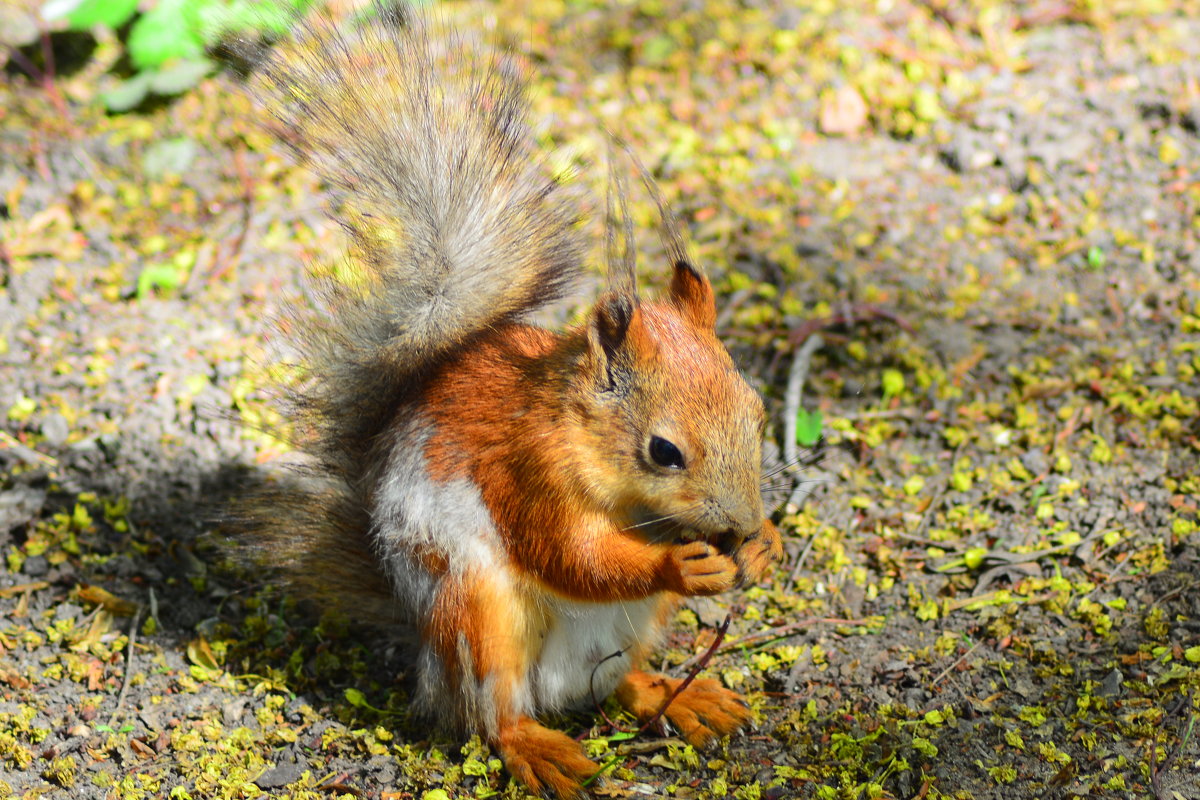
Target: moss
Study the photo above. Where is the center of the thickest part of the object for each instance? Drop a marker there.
(61, 771)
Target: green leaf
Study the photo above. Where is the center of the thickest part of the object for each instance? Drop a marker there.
(926, 106)
(180, 76)
(356, 698)
(808, 427)
(893, 383)
(82, 15)
(164, 33)
(128, 94)
(974, 557)
(215, 19)
(158, 276)
(658, 49)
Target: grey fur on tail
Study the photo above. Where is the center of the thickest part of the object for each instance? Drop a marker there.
(455, 226)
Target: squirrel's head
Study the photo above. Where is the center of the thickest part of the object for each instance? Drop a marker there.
(674, 431)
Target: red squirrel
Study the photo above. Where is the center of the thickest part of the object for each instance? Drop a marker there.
(524, 503)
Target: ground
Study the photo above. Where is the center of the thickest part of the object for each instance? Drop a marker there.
(987, 211)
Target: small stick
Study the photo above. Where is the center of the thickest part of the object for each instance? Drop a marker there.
(791, 581)
(784, 631)
(23, 451)
(133, 627)
(1157, 770)
(691, 676)
(791, 398)
(592, 687)
(957, 661)
(686, 682)
(791, 405)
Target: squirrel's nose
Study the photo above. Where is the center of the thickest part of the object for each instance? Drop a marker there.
(746, 518)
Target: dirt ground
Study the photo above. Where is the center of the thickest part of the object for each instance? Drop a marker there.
(987, 211)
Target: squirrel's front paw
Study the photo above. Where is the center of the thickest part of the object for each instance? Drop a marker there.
(548, 762)
(758, 553)
(699, 568)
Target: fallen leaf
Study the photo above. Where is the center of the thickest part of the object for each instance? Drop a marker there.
(105, 599)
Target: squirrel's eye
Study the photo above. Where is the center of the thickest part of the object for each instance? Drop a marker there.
(665, 454)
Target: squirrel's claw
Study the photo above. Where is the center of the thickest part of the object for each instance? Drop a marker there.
(758, 553)
(698, 568)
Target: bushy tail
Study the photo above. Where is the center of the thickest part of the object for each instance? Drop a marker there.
(454, 224)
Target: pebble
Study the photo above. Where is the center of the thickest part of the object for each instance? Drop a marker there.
(56, 429)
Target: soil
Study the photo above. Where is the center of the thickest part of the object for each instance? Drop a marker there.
(988, 213)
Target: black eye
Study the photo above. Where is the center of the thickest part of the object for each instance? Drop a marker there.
(665, 454)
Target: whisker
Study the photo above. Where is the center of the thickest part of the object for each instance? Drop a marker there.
(808, 486)
(805, 459)
(664, 518)
(797, 481)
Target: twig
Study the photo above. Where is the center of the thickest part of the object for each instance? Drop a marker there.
(853, 313)
(791, 404)
(791, 398)
(25, 452)
(684, 684)
(133, 628)
(784, 631)
(49, 86)
(592, 686)
(1157, 770)
(1174, 592)
(722, 629)
(886, 413)
(731, 305)
(791, 581)
(235, 252)
(957, 661)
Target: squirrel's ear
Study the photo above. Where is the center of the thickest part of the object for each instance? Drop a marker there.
(608, 329)
(692, 294)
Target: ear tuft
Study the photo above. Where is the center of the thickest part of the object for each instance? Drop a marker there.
(608, 331)
(611, 318)
(692, 294)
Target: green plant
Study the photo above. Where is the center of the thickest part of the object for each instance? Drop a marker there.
(167, 44)
(808, 427)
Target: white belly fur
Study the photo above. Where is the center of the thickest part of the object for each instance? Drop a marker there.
(578, 638)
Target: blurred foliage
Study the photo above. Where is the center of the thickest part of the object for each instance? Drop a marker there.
(167, 44)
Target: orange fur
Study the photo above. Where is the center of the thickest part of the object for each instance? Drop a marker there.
(543, 759)
(759, 553)
(703, 711)
(511, 415)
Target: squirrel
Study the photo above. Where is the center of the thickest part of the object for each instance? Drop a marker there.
(530, 506)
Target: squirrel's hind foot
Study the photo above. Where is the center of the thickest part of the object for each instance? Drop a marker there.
(702, 712)
(548, 762)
